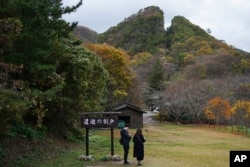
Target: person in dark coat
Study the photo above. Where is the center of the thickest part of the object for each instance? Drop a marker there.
(139, 141)
(125, 137)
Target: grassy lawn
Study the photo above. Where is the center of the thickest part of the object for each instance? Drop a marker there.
(166, 145)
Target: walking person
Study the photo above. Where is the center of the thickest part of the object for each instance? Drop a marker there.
(139, 141)
(125, 139)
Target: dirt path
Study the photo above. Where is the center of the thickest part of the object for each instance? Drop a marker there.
(148, 118)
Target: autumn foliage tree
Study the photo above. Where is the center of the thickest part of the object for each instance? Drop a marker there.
(218, 110)
(116, 61)
(241, 112)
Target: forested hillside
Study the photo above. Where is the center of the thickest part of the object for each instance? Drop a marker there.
(85, 34)
(186, 73)
(143, 31)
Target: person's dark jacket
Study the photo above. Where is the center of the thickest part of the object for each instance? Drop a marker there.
(125, 137)
(138, 146)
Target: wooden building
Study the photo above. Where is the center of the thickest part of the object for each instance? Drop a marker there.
(130, 115)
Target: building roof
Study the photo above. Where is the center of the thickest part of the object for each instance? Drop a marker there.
(122, 106)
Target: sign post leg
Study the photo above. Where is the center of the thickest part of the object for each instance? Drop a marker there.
(112, 141)
(87, 141)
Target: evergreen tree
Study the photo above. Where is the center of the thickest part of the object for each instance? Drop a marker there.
(53, 78)
(155, 85)
(156, 77)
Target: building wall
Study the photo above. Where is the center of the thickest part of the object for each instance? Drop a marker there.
(136, 118)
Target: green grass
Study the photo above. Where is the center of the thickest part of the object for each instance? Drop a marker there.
(166, 145)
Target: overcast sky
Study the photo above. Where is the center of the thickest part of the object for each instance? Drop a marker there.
(228, 20)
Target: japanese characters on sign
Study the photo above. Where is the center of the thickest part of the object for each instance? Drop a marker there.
(98, 122)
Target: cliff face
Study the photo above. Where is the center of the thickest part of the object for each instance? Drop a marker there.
(143, 31)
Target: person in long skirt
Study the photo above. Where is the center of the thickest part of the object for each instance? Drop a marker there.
(139, 141)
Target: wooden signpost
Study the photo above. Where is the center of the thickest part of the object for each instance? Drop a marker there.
(99, 120)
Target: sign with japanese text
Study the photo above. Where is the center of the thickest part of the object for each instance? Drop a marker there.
(98, 122)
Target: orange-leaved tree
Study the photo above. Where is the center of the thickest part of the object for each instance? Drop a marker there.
(218, 110)
(116, 62)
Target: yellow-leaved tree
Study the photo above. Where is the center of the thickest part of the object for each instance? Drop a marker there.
(241, 112)
(116, 61)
